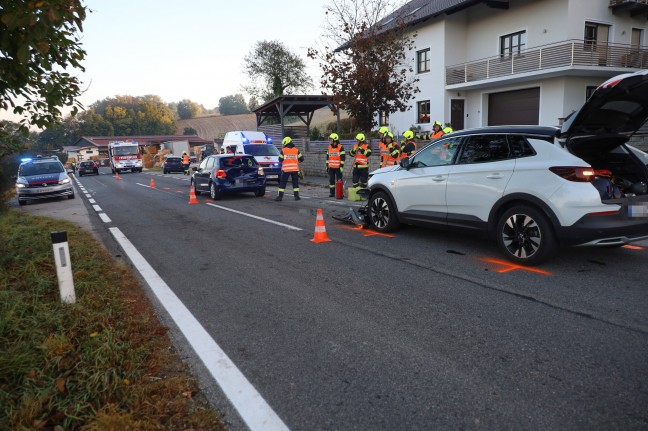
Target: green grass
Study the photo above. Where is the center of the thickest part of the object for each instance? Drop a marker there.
(104, 363)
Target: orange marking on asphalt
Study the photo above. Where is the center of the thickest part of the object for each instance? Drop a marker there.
(368, 232)
(633, 247)
(166, 188)
(508, 266)
(179, 191)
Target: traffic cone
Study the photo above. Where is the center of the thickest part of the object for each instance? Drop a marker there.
(192, 196)
(320, 229)
(152, 183)
(117, 175)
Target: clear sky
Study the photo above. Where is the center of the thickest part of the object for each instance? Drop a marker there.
(188, 49)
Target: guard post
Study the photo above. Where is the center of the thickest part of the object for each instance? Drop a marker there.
(63, 266)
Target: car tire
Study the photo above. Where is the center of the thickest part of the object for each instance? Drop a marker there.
(382, 213)
(22, 202)
(524, 235)
(213, 192)
(259, 193)
(71, 196)
(164, 172)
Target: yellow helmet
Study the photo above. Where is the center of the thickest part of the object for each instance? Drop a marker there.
(287, 140)
(334, 137)
(390, 134)
(437, 123)
(447, 130)
(408, 134)
(360, 137)
(383, 130)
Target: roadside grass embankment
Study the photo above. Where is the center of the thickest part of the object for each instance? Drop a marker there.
(103, 363)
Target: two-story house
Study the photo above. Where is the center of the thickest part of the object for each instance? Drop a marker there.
(494, 62)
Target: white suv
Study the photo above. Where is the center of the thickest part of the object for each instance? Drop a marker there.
(530, 187)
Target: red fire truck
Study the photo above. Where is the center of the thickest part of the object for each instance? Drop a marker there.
(125, 156)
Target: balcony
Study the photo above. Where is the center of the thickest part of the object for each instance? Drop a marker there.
(634, 7)
(572, 54)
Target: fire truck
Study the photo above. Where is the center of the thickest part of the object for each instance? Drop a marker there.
(124, 156)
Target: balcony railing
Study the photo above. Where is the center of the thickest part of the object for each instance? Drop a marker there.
(573, 53)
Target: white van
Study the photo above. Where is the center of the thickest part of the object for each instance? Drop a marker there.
(256, 144)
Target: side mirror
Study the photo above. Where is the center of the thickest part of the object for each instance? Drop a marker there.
(194, 168)
(405, 163)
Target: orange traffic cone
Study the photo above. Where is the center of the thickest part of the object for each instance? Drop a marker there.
(320, 229)
(192, 196)
(117, 175)
(152, 183)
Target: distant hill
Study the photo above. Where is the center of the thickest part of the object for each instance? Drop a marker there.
(215, 126)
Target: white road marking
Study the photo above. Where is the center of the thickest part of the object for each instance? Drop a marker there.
(104, 218)
(287, 226)
(254, 410)
(97, 208)
(92, 201)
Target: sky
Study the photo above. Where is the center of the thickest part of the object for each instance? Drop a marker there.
(188, 49)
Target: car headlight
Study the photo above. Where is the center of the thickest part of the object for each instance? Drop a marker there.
(21, 185)
(64, 181)
(261, 173)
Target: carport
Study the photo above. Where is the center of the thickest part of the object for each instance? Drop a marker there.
(271, 116)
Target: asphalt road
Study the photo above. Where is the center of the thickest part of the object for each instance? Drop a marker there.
(422, 329)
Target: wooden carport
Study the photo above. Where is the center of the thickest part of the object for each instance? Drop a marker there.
(301, 107)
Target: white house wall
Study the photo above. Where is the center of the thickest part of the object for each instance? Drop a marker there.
(475, 32)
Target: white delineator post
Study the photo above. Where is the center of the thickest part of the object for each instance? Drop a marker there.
(63, 266)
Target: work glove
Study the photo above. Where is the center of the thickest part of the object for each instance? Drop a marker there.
(341, 169)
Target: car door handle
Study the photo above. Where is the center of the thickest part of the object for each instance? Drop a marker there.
(438, 178)
(495, 176)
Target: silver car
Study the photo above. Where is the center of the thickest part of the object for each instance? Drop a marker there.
(42, 178)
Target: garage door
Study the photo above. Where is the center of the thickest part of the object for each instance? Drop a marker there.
(514, 107)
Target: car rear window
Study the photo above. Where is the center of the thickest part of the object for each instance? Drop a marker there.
(41, 168)
(229, 162)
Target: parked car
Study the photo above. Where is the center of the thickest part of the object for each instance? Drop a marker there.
(257, 144)
(89, 167)
(531, 188)
(228, 173)
(172, 164)
(42, 178)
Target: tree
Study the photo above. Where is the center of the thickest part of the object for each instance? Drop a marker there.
(59, 135)
(188, 109)
(253, 103)
(127, 116)
(232, 105)
(40, 41)
(364, 59)
(273, 70)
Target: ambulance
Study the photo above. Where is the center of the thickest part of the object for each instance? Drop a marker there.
(256, 144)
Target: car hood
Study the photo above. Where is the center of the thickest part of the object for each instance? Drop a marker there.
(619, 106)
(43, 178)
(385, 170)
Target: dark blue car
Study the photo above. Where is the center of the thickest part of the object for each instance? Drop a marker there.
(228, 173)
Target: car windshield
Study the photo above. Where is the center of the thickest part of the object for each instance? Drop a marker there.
(40, 169)
(261, 150)
(125, 151)
(230, 162)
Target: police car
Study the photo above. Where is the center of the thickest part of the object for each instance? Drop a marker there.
(42, 178)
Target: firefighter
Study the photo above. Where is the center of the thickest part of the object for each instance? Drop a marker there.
(289, 157)
(384, 152)
(437, 130)
(361, 152)
(408, 149)
(186, 161)
(335, 157)
(393, 150)
(447, 129)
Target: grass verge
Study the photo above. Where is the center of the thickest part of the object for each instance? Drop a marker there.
(104, 363)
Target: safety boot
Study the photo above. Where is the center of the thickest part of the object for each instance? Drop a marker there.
(279, 197)
(297, 196)
(331, 192)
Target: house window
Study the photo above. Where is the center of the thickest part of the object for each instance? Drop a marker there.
(384, 118)
(423, 110)
(595, 34)
(423, 61)
(512, 44)
(589, 90)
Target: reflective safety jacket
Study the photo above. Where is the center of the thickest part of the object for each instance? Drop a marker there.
(437, 135)
(290, 158)
(385, 158)
(335, 157)
(186, 159)
(394, 153)
(361, 158)
(409, 149)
